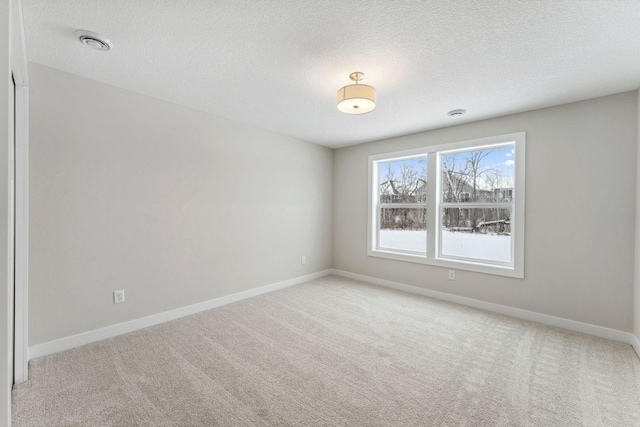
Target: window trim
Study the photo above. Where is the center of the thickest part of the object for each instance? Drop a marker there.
(434, 206)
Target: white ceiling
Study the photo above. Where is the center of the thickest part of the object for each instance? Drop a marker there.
(278, 64)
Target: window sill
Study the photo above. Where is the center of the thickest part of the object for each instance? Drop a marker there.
(496, 270)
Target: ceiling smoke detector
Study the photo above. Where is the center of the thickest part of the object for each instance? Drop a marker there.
(456, 113)
(94, 40)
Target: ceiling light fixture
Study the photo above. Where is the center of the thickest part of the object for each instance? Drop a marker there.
(94, 40)
(357, 98)
(456, 113)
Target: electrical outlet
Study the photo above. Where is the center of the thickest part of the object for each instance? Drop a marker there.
(452, 275)
(303, 260)
(118, 297)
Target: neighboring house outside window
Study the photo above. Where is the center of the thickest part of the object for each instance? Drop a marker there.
(459, 205)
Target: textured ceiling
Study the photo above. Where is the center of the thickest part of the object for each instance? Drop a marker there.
(278, 64)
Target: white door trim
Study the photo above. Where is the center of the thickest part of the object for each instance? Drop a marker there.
(21, 226)
(21, 272)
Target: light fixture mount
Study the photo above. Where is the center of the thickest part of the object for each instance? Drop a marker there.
(357, 76)
(94, 40)
(357, 98)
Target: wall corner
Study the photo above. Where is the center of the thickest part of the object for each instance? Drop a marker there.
(636, 276)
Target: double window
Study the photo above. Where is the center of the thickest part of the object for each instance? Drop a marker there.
(459, 205)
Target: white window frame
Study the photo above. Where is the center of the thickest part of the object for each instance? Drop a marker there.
(434, 206)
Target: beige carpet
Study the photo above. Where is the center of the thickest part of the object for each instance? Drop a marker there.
(337, 352)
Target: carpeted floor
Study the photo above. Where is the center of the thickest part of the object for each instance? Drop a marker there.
(337, 352)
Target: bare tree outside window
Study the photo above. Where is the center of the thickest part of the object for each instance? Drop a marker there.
(477, 195)
(402, 209)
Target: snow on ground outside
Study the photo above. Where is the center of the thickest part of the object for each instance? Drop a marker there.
(490, 247)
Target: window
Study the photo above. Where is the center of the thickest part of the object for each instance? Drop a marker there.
(402, 205)
(459, 205)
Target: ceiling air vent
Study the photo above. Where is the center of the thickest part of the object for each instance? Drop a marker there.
(456, 113)
(94, 40)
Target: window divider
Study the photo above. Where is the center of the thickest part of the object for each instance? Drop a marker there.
(402, 205)
(479, 205)
(433, 169)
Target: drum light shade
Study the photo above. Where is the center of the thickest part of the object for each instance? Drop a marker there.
(356, 98)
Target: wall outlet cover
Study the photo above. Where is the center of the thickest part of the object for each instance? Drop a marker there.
(118, 297)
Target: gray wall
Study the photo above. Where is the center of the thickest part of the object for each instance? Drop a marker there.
(580, 213)
(636, 290)
(177, 207)
(172, 205)
(6, 375)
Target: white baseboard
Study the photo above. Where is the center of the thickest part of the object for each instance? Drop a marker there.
(133, 325)
(144, 322)
(545, 319)
(635, 343)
